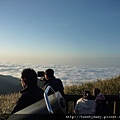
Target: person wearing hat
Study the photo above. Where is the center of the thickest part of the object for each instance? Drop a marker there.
(102, 107)
(85, 106)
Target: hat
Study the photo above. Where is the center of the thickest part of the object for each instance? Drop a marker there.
(100, 96)
(87, 93)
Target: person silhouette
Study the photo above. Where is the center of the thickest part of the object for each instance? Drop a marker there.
(54, 82)
(30, 93)
(102, 108)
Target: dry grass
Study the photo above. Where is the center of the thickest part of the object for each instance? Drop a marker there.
(108, 86)
(7, 102)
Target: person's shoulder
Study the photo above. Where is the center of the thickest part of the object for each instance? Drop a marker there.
(54, 80)
(93, 102)
(35, 90)
(80, 100)
(58, 79)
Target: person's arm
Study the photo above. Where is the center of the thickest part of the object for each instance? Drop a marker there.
(76, 108)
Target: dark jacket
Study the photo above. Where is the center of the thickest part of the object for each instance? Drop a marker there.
(29, 96)
(56, 84)
(103, 109)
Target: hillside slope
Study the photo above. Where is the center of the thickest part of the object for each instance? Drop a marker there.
(9, 84)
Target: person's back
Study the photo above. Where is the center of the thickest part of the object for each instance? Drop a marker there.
(85, 106)
(55, 83)
(102, 107)
(31, 92)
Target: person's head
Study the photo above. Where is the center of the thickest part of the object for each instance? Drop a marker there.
(49, 73)
(86, 94)
(28, 77)
(100, 98)
(96, 91)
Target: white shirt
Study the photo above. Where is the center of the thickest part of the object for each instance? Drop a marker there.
(85, 106)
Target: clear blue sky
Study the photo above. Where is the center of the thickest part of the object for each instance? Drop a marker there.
(44, 30)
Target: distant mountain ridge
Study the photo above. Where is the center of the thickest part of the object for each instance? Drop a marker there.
(9, 84)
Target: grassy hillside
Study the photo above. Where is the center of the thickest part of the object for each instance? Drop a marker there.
(108, 86)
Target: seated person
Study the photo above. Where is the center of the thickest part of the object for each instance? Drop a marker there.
(85, 106)
(102, 107)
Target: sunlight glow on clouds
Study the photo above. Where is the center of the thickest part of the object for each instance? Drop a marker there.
(69, 75)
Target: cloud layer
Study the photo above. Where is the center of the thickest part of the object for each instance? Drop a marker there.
(69, 75)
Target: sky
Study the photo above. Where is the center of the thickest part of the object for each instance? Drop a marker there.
(59, 31)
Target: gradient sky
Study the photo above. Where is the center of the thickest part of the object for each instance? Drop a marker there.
(59, 30)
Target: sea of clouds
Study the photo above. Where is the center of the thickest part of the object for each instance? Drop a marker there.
(68, 74)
